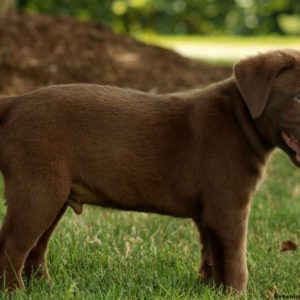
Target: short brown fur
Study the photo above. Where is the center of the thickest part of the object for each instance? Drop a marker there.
(197, 154)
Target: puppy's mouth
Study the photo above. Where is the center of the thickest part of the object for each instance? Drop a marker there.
(292, 143)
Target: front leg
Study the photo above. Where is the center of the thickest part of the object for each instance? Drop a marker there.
(225, 229)
(206, 268)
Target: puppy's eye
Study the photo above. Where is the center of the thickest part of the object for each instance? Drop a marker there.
(297, 98)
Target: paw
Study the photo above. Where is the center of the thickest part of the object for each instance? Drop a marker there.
(38, 271)
(206, 272)
(11, 282)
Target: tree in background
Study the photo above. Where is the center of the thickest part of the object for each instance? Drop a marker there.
(234, 17)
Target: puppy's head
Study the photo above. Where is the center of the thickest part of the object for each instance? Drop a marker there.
(270, 86)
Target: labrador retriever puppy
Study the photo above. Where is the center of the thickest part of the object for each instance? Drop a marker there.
(197, 154)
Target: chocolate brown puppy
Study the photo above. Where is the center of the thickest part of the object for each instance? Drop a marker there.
(197, 154)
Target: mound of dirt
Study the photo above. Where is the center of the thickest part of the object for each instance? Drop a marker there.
(38, 50)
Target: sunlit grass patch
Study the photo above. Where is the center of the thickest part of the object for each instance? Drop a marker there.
(221, 49)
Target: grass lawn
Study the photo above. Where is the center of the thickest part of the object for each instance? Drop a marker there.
(169, 40)
(221, 49)
(105, 254)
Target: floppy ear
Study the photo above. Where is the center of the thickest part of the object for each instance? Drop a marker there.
(255, 76)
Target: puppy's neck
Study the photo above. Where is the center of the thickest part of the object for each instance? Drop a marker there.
(234, 104)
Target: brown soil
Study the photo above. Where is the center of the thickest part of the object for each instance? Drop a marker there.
(39, 50)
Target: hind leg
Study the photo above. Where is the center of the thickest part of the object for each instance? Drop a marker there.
(36, 260)
(31, 209)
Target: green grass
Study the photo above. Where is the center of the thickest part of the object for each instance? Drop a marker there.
(106, 254)
(222, 50)
(171, 40)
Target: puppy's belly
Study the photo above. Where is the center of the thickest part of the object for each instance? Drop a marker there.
(80, 195)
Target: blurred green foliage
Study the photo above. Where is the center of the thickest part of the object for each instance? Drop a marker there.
(234, 17)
